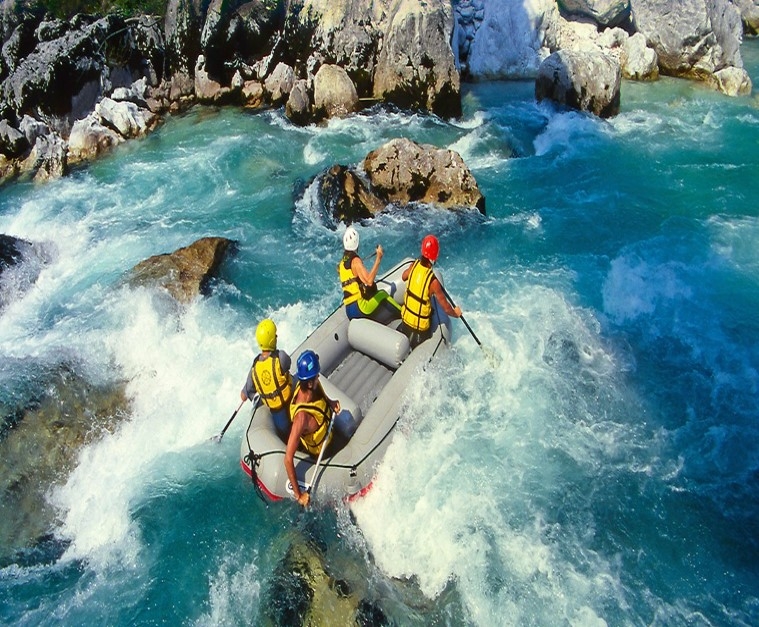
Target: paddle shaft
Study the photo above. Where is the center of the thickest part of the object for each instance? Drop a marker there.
(463, 319)
(229, 422)
(321, 453)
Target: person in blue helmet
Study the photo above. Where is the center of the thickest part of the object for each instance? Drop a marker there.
(310, 413)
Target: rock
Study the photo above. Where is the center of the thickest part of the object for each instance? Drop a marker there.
(47, 159)
(638, 61)
(13, 143)
(415, 66)
(182, 26)
(208, 90)
(90, 139)
(39, 445)
(303, 592)
(749, 10)
(252, 94)
(279, 83)
(186, 272)
(602, 12)
(126, 118)
(402, 171)
(334, 92)
(733, 81)
(346, 196)
(692, 38)
(585, 81)
(59, 80)
(298, 106)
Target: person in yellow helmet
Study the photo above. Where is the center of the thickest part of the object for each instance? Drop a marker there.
(361, 297)
(270, 378)
(421, 286)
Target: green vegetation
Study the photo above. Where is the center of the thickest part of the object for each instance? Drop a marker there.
(65, 9)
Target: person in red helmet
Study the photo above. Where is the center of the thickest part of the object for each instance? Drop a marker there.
(421, 286)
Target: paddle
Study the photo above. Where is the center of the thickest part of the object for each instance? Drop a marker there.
(490, 355)
(321, 453)
(217, 438)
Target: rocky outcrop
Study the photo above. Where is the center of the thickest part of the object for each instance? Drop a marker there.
(185, 273)
(415, 66)
(399, 173)
(55, 74)
(586, 81)
(696, 39)
(692, 38)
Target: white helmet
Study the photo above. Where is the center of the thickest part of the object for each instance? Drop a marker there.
(350, 239)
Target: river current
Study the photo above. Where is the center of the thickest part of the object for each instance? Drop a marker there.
(603, 470)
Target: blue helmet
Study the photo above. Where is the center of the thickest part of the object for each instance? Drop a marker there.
(308, 365)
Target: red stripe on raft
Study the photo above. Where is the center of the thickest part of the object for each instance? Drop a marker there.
(357, 495)
(264, 489)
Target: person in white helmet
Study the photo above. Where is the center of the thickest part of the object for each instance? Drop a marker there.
(361, 297)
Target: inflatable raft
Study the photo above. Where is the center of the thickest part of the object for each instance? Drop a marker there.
(366, 366)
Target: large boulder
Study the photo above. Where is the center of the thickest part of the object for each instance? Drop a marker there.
(186, 272)
(334, 92)
(403, 171)
(587, 81)
(602, 12)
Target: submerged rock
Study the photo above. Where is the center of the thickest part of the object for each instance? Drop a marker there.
(20, 264)
(186, 272)
(303, 592)
(39, 445)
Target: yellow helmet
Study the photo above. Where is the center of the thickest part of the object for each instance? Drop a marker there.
(266, 335)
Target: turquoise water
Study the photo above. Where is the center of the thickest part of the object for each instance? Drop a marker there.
(605, 471)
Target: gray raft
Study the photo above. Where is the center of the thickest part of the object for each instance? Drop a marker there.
(366, 366)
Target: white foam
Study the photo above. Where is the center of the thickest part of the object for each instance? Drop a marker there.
(634, 287)
(234, 596)
(507, 436)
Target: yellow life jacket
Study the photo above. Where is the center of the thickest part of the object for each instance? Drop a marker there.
(319, 409)
(349, 281)
(274, 386)
(417, 306)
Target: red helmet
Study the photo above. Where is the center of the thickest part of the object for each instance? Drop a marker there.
(430, 248)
